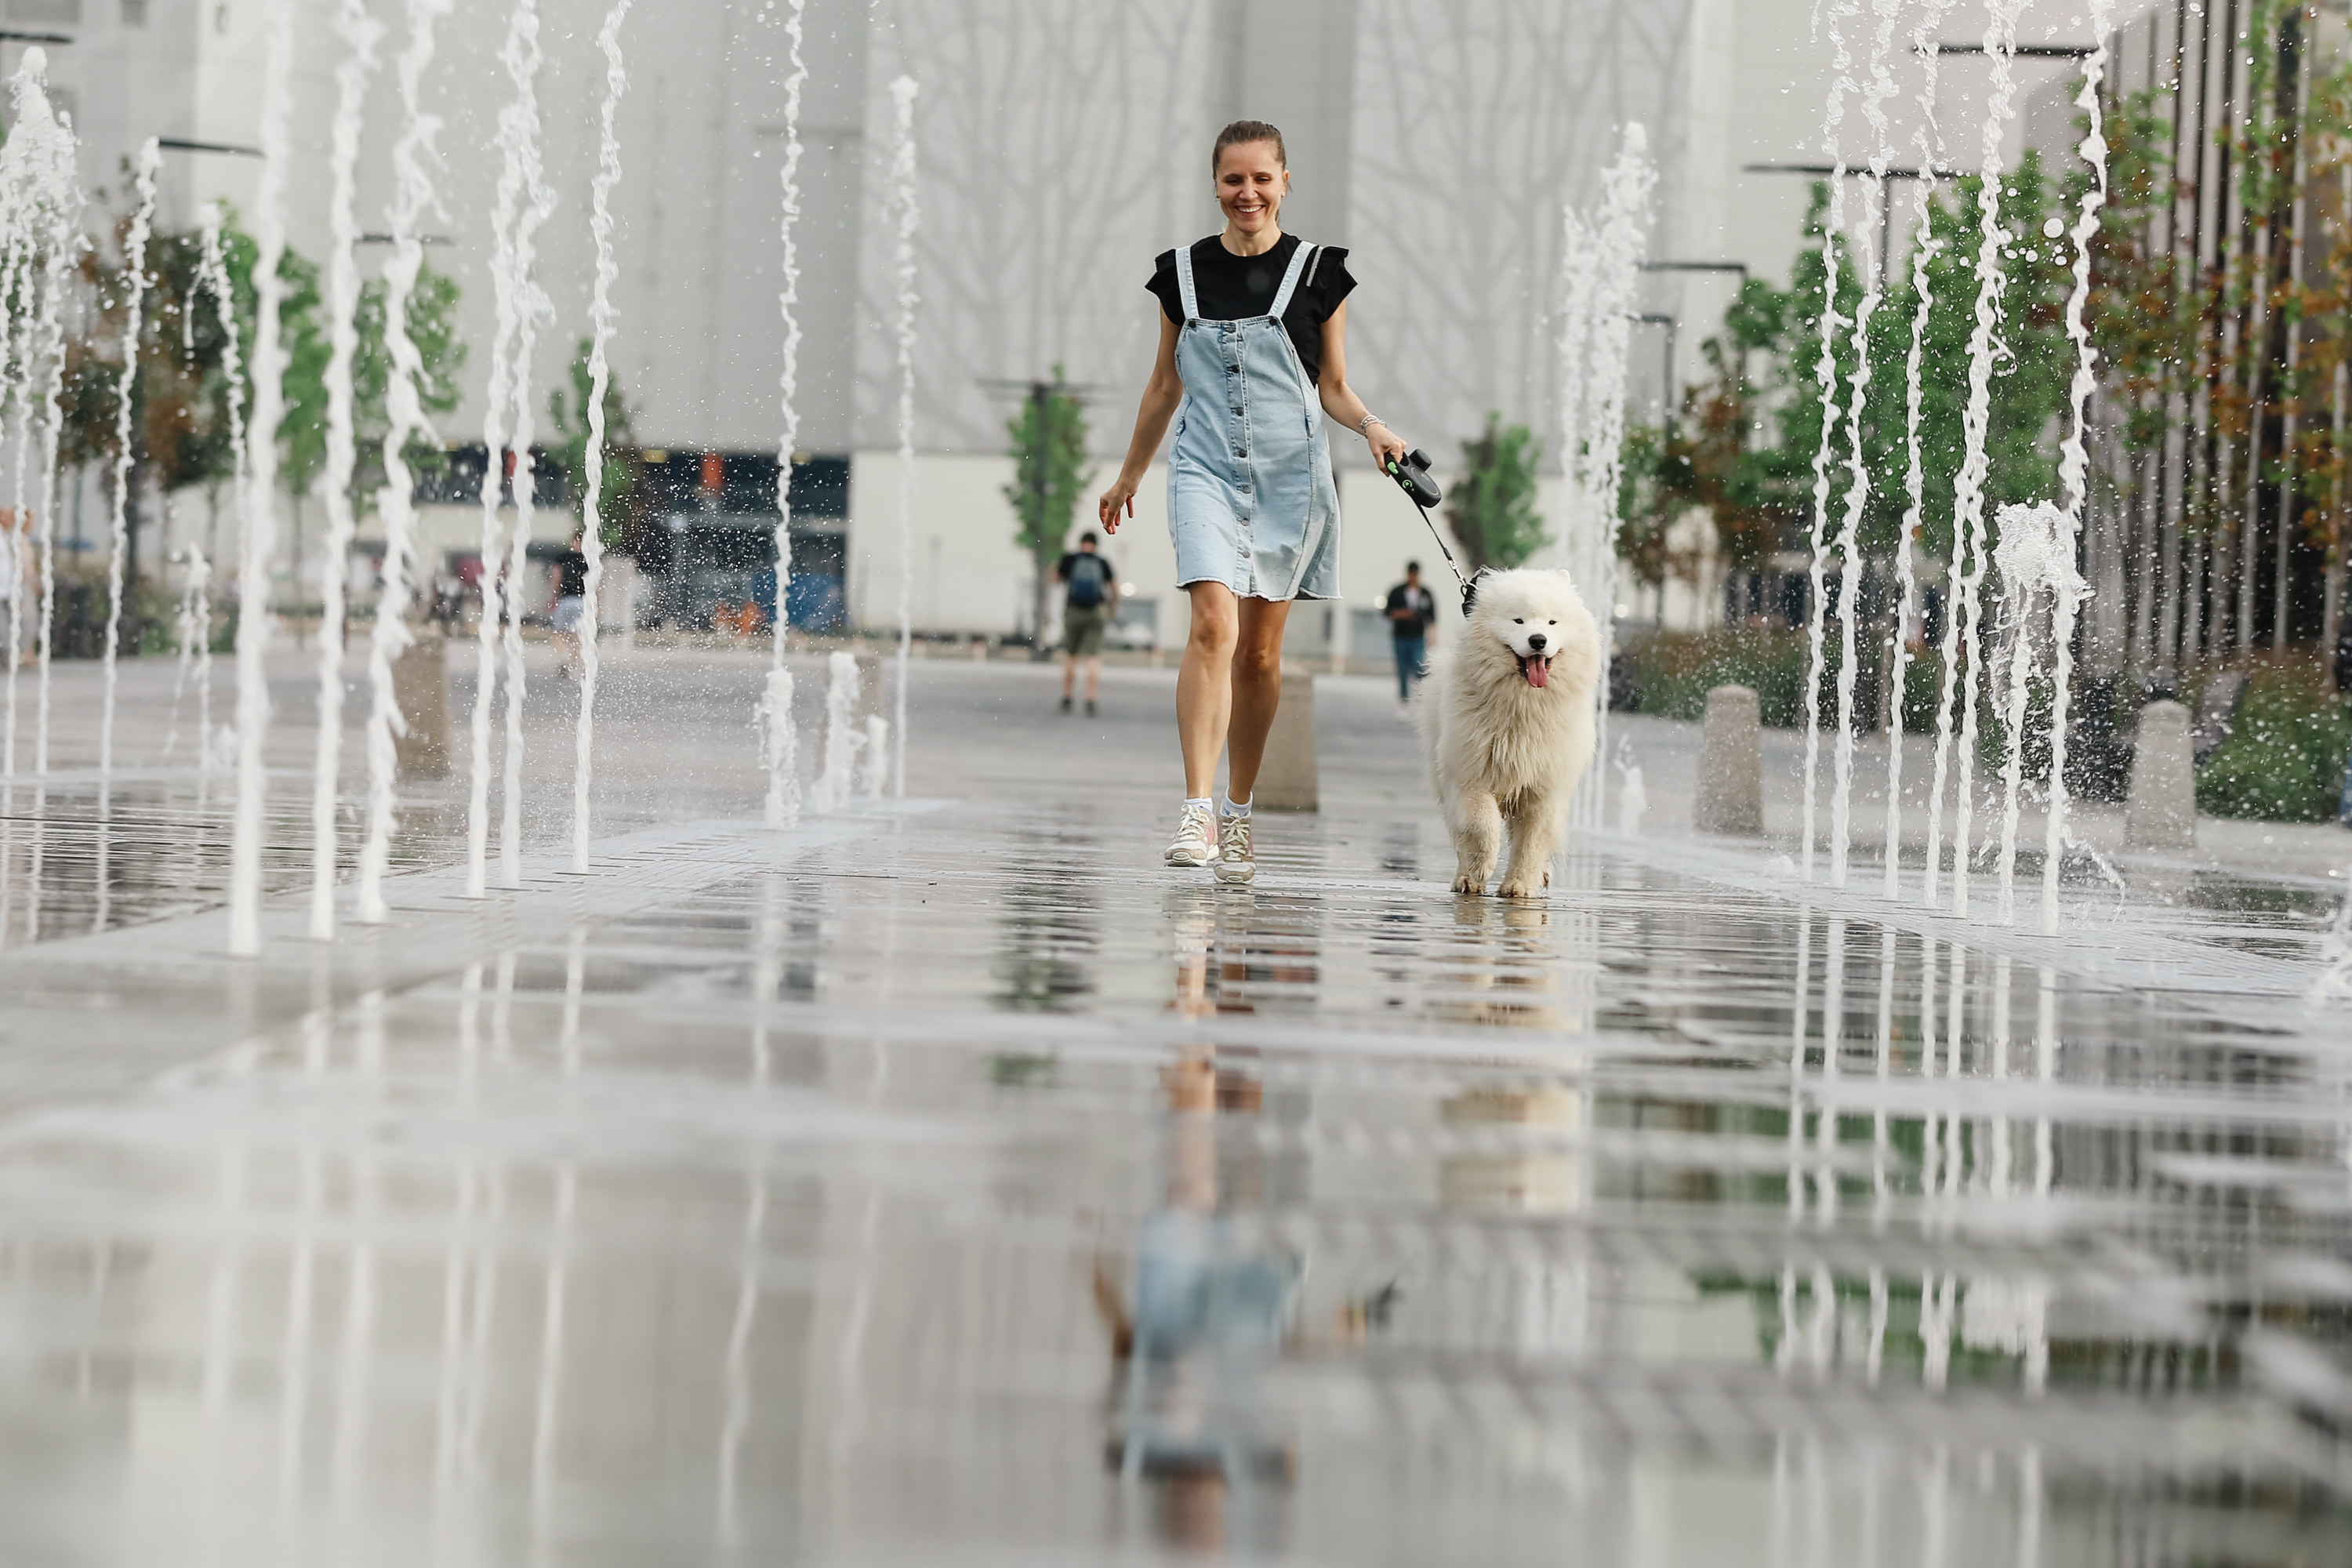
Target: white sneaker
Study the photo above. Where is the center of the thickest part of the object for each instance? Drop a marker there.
(1235, 860)
(1194, 844)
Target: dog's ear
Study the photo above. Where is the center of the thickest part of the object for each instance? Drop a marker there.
(1470, 591)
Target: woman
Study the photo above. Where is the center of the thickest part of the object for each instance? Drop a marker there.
(1253, 335)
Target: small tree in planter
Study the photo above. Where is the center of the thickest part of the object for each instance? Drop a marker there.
(1492, 506)
(1050, 477)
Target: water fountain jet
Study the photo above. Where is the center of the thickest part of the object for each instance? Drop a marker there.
(134, 308)
(601, 318)
(359, 33)
(411, 160)
(781, 748)
(1969, 547)
(258, 530)
(1825, 374)
(902, 177)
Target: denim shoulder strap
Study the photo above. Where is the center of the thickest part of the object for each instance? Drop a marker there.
(1192, 301)
(1290, 279)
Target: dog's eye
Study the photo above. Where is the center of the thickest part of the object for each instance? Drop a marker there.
(1518, 620)
(1551, 623)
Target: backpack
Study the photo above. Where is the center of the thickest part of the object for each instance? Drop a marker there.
(1088, 573)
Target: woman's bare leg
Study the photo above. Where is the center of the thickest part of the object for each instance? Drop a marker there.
(1204, 686)
(1258, 691)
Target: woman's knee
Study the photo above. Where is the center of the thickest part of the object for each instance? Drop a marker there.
(1258, 658)
(1215, 628)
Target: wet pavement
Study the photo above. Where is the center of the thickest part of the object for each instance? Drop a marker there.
(948, 1181)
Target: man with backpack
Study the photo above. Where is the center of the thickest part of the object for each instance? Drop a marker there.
(1090, 594)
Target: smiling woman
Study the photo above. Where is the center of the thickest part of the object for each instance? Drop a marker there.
(1253, 337)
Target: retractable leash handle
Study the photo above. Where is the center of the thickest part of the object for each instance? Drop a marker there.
(1411, 473)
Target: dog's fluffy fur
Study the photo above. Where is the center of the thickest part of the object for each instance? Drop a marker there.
(1507, 716)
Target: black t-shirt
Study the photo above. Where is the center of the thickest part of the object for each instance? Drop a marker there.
(1231, 287)
(1425, 610)
(1089, 577)
(571, 576)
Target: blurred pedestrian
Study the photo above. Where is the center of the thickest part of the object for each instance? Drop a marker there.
(1253, 353)
(569, 619)
(1089, 594)
(1412, 612)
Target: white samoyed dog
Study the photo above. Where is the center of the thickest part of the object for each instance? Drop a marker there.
(1507, 715)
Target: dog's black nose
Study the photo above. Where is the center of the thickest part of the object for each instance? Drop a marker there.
(1536, 641)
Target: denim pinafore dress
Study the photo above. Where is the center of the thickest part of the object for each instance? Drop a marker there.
(1250, 500)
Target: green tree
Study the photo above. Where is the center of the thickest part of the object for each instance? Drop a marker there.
(1766, 383)
(1050, 478)
(433, 328)
(1492, 506)
(620, 504)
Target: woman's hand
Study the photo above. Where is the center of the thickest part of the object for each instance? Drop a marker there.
(1386, 444)
(1117, 505)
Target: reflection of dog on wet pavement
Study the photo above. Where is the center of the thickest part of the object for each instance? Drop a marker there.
(1509, 720)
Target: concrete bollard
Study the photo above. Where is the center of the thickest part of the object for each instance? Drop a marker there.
(1730, 798)
(2161, 811)
(420, 685)
(1287, 779)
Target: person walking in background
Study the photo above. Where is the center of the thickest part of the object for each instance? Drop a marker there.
(571, 612)
(1412, 612)
(1090, 592)
(1251, 360)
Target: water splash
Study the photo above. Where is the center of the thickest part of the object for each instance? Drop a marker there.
(902, 188)
(779, 745)
(600, 374)
(1969, 547)
(193, 622)
(874, 771)
(2334, 986)
(134, 316)
(781, 756)
(413, 156)
(257, 532)
(1925, 246)
(836, 781)
(2074, 462)
(1633, 797)
(1850, 560)
(1825, 374)
(359, 33)
(2035, 558)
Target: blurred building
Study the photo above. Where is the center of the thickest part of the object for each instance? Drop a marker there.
(1061, 145)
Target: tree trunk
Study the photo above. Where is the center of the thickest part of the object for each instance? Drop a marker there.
(1040, 596)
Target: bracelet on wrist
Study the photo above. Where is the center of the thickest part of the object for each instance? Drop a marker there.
(1364, 426)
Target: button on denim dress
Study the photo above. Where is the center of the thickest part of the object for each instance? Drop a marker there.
(1250, 500)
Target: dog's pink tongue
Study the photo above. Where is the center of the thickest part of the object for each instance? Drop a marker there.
(1537, 669)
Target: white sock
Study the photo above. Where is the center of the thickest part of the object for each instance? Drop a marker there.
(1234, 807)
(1205, 803)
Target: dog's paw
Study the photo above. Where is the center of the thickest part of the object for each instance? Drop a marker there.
(1466, 884)
(1520, 888)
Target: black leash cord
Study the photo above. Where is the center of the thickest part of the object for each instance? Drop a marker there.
(1468, 593)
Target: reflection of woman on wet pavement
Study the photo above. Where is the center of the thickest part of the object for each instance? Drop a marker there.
(1253, 337)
